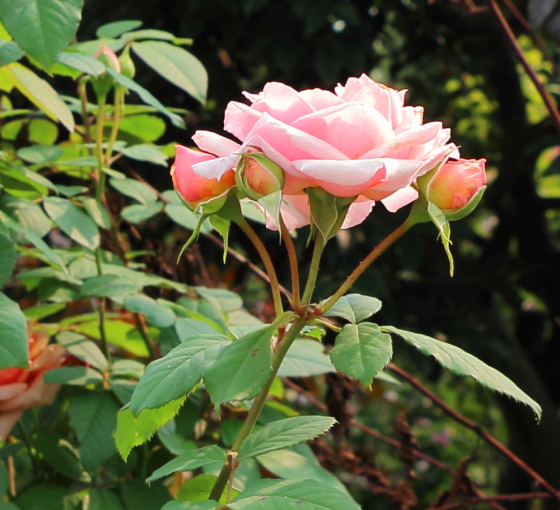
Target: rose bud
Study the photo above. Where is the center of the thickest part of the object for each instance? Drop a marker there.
(257, 176)
(193, 188)
(103, 83)
(22, 388)
(456, 187)
(126, 64)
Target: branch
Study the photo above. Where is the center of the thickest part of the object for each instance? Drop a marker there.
(477, 429)
(540, 86)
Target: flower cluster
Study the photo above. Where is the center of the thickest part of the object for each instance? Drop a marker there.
(22, 388)
(360, 143)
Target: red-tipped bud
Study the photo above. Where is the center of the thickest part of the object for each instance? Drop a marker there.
(192, 187)
(258, 176)
(103, 83)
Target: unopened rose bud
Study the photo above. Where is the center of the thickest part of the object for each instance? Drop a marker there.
(192, 187)
(127, 65)
(456, 187)
(258, 176)
(103, 83)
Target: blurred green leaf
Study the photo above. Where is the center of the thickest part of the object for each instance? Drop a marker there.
(116, 28)
(156, 315)
(176, 65)
(73, 376)
(83, 63)
(40, 154)
(42, 497)
(84, 349)
(9, 52)
(8, 258)
(139, 496)
(145, 152)
(135, 189)
(305, 358)
(108, 286)
(97, 212)
(354, 308)
(13, 335)
(138, 213)
(103, 499)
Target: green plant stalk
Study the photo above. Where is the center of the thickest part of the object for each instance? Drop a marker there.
(314, 269)
(85, 114)
(364, 264)
(144, 333)
(28, 445)
(101, 311)
(294, 268)
(119, 96)
(255, 411)
(268, 265)
(99, 147)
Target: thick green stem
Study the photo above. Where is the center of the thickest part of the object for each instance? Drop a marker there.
(119, 96)
(258, 403)
(294, 268)
(141, 325)
(99, 148)
(82, 92)
(268, 265)
(376, 252)
(101, 311)
(313, 270)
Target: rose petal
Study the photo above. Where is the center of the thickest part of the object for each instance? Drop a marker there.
(400, 198)
(320, 99)
(7, 422)
(29, 398)
(282, 102)
(295, 212)
(9, 391)
(357, 213)
(214, 143)
(239, 119)
(354, 129)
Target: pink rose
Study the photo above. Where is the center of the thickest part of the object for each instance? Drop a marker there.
(22, 388)
(455, 183)
(193, 188)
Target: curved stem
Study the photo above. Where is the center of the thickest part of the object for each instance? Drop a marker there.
(294, 268)
(99, 147)
(378, 250)
(314, 269)
(255, 411)
(268, 265)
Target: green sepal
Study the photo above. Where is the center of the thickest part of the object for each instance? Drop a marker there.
(440, 221)
(272, 204)
(194, 235)
(222, 226)
(327, 211)
(469, 207)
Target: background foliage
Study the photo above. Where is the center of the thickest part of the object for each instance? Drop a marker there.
(502, 305)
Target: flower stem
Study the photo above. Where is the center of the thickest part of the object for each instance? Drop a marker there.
(294, 268)
(376, 252)
(101, 311)
(258, 403)
(314, 269)
(268, 265)
(99, 147)
(119, 96)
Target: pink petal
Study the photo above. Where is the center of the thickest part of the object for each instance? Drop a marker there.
(217, 167)
(400, 198)
(282, 102)
(215, 143)
(320, 99)
(29, 398)
(357, 213)
(253, 97)
(51, 357)
(239, 119)
(295, 213)
(7, 422)
(354, 129)
(412, 116)
(9, 391)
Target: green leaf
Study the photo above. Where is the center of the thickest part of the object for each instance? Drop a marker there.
(116, 28)
(108, 286)
(84, 349)
(146, 152)
(83, 63)
(133, 431)
(186, 328)
(242, 369)
(42, 28)
(223, 299)
(70, 191)
(440, 221)
(73, 221)
(13, 335)
(139, 496)
(190, 461)
(305, 358)
(205, 490)
(175, 65)
(281, 434)
(135, 189)
(9, 52)
(73, 376)
(177, 373)
(361, 351)
(462, 363)
(8, 258)
(138, 212)
(148, 33)
(43, 497)
(196, 493)
(4, 481)
(127, 368)
(43, 131)
(143, 127)
(8, 506)
(27, 214)
(354, 308)
(38, 91)
(147, 97)
(182, 216)
(93, 416)
(97, 212)
(156, 315)
(274, 494)
(103, 499)
(61, 455)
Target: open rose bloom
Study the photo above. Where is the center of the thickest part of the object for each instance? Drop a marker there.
(360, 141)
(22, 388)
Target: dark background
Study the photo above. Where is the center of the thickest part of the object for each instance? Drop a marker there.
(504, 299)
